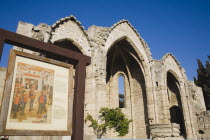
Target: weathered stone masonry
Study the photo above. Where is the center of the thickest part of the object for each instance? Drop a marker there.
(158, 95)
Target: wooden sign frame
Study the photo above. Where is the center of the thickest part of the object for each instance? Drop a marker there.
(9, 85)
(80, 63)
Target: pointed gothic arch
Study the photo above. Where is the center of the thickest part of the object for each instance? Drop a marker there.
(123, 59)
(123, 30)
(69, 28)
(175, 103)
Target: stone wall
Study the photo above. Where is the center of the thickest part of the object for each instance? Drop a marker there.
(2, 81)
(204, 125)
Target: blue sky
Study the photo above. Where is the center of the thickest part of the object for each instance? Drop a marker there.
(181, 27)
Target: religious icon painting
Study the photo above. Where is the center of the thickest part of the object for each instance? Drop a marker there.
(32, 94)
(37, 96)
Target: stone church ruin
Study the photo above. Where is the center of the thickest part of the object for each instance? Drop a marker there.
(158, 97)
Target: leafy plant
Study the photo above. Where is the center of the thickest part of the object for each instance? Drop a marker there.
(109, 118)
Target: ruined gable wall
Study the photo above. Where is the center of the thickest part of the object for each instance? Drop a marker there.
(159, 75)
(187, 91)
(96, 43)
(175, 69)
(124, 30)
(69, 29)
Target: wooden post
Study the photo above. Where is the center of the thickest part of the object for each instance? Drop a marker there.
(79, 98)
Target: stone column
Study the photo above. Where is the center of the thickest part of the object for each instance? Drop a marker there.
(186, 111)
(160, 93)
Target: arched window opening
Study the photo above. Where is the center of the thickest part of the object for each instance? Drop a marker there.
(67, 44)
(121, 90)
(176, 117)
